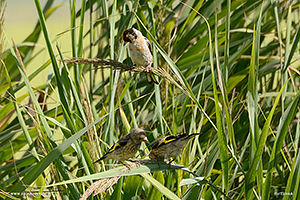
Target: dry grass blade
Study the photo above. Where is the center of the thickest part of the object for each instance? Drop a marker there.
(104, 184)
(116, 65)
(2, 18)
(104, 63)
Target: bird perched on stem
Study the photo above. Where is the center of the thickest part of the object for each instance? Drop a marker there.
(140, 51)
(169, 147)
(127, 146)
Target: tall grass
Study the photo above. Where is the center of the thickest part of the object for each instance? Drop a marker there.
(231, 73)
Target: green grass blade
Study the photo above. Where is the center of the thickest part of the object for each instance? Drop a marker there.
(253, 108)
(46, 161)
(292, 186)
(165, 191)
(21, 119)
(293, 50)
(284, 124)
(249, 183)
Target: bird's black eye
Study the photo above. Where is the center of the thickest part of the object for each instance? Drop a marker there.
(135, 36)
(126, 39)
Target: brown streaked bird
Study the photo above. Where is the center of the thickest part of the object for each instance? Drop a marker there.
(169, 146)
(140, 51)
(127, 146)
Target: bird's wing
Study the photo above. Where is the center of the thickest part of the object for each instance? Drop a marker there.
(155, 144)
(166, 140)
(148, 44)
(122, 142)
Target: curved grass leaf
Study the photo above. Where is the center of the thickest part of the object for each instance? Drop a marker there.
(284, 124)
(45, 162)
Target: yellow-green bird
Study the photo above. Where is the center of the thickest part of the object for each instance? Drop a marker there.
(127, 146)
(169, 146)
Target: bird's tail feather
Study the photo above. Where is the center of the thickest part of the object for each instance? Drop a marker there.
(103, 157)
(193, 135)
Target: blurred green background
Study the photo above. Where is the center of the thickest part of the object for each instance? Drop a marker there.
(20, 20)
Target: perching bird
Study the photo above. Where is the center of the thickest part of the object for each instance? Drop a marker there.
(169, 146)
(127, 146)
(140, 51)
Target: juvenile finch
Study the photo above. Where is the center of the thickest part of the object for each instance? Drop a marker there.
(140, 51)
(127, 146)
(169, 146)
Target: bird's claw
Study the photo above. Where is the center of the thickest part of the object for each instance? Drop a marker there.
(126, 165)
(147, 69)
(137, 162)
(130, 67)
(171, 162)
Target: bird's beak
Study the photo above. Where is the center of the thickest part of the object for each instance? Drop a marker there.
(146, 140)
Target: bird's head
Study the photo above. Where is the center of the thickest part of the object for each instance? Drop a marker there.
(139, 135)
(130, 35)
